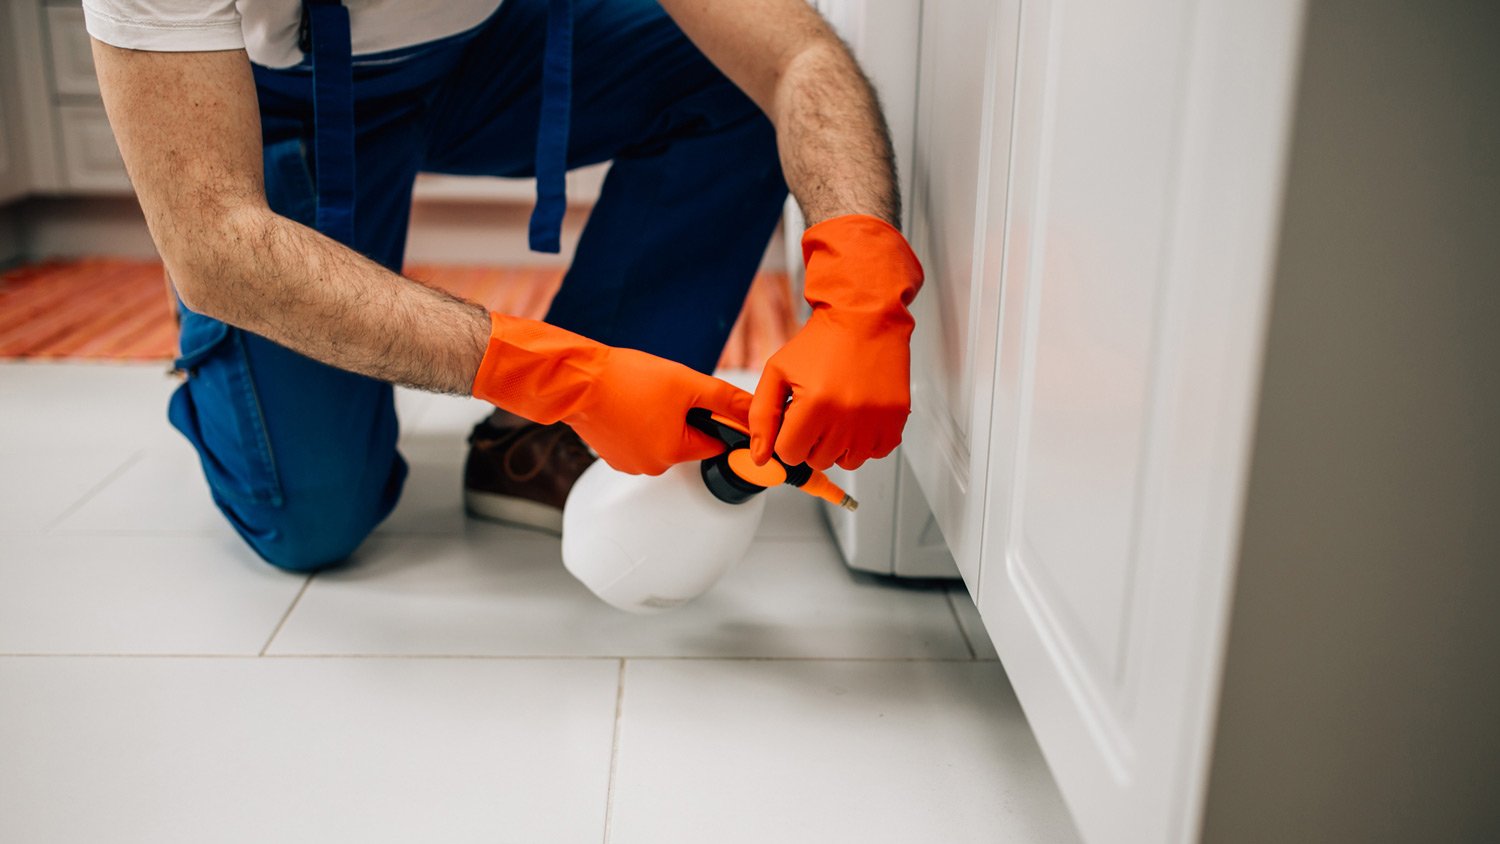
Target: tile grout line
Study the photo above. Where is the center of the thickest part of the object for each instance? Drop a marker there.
(286, 615)
(614, 753)
(94, 490)
(953, 607)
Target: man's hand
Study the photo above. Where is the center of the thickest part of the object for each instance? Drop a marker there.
(636, 413)
(629, 406)
(847, 373)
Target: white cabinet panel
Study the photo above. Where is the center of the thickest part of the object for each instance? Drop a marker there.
(14, 175)
(91, 159)
(72, 57)
(12, 168)
(27, 120)
(1095, 281)
(963, 130)
(1144, 186)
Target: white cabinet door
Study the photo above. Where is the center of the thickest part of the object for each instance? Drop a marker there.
(71, 53)
(91, 158)
(13, 170)
(1144, 190)
(959, 172)
(27, 123)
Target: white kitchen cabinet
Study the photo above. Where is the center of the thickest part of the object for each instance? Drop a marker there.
(13, 181)
(15, 175)
(69, 148)
(1094, 200)
(1137, 265)
(70, 53)
(47, 74)
(959, 179)
(92, 161)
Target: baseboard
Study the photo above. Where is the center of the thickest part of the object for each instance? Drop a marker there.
(73, 227)
(11, 249)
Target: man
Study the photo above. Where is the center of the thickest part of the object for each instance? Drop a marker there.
(273, 144)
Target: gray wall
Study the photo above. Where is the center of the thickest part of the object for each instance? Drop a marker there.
(1361, 699)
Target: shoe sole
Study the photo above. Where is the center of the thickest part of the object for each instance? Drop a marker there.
(510, 510)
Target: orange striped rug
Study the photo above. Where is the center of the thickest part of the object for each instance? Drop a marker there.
(117, 309)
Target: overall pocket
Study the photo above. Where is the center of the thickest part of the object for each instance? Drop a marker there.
(289, 183)
(219, 411)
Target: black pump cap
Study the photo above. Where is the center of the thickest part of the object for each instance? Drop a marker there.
(725, 484)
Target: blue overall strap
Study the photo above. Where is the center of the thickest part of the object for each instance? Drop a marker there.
(333, 118)
(552, 130)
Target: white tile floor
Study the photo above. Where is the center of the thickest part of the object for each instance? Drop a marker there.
(160, 684)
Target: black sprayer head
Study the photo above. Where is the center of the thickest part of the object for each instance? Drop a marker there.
(725, 484)
(717, 476)
(728, 475)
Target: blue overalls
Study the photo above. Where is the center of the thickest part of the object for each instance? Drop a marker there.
(301, 457)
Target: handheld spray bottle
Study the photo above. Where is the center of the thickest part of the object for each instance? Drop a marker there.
(650, 543)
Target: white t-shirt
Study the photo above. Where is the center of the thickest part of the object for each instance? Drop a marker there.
(267, 29)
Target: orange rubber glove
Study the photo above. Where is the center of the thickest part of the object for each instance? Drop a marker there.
(629, 406)
(848, 371)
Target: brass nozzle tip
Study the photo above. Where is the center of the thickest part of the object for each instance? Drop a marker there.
(849, 504)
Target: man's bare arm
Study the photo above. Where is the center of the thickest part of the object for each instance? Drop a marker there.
(189, 130)
(835, 148)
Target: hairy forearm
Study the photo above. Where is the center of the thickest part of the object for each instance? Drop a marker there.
(286, 282)
(834, 144)
(190, 135)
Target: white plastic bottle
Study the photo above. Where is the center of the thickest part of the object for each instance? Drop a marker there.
(647, 544)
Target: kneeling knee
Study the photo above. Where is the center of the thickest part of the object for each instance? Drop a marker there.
(303, 540)
(308, 552)
(318, 527)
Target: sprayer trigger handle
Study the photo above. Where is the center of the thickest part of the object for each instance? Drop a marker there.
(730, 424)
(726, 431)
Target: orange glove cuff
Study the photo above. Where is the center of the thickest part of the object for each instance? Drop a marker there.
(858, 264)
(536, 370)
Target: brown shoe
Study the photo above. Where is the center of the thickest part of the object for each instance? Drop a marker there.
(521, 475)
